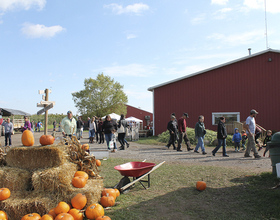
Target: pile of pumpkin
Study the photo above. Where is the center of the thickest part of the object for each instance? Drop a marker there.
(63, 211)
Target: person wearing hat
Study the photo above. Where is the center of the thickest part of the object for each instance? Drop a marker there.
(172, 128)
(68, 125)
(182, 125)
(250, 127)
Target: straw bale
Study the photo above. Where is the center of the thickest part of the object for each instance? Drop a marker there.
(92, 190)
(15, 179)
(54, 179)
(37, 157)
(22, 203)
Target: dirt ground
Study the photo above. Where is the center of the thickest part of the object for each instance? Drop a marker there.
(159, 153)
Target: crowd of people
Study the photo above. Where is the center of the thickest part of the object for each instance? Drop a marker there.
(177, 131)
(100, 130)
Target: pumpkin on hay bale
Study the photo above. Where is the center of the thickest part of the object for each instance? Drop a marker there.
(46, 140)
(27, 138)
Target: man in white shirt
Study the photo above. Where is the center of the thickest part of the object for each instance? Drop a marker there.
(250, 130)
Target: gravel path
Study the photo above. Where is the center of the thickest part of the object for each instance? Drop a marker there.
(156, 153)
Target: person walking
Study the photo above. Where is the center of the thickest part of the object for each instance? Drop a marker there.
(54, 125)
(173, 132)
(9, 127)
(80, 125)
(99, 130)
(108, 128)
(250, 127)
(96, 128)
(92, 130)
(221, 135)
(182, 125)
(199, 134)
(122, 126)
(68, 125)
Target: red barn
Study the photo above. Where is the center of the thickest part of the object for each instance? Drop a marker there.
(231, 90)
(146, 117)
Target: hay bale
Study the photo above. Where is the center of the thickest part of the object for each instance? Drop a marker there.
(15, 179)
(55, 179)
(22, 203)
(92, 190)
(37, 157)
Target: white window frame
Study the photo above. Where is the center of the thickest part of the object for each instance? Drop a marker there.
(224, 114)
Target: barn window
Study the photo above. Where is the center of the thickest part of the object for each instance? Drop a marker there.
(230, 117)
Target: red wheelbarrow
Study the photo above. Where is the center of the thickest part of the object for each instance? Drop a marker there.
(136, 170)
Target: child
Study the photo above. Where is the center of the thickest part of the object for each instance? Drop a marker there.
(244, 138)
(236, 139)
(267, 139)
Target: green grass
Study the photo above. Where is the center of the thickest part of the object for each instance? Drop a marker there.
(230, 194)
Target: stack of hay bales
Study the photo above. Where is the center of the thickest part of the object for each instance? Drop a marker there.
(39, 178)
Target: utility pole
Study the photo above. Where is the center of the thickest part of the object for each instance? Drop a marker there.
(46, 112)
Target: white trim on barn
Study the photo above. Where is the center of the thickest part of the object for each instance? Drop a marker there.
(224, 114)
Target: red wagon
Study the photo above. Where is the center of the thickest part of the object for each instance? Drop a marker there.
(136, 170)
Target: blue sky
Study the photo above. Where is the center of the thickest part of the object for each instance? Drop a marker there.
(56, 44)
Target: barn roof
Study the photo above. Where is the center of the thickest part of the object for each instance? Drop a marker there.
(9, 112)
(213, 68)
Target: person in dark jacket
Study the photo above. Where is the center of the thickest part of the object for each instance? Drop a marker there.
(182, 125)
(108, 128)
(122, 126)
(221, 135)
(172, 128)
(99, 130)
(199, 134)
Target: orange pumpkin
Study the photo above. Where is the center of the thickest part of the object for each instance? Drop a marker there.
(46, 140)
(82, 174)
(85, 147)
(27, 138)
(107, 201)
(3, 215)
(64, 216)
(31, 216)
(52, 213)
(98, 163)
(79, 201)
(94, 211)
(4, 194)
(103, 218)
(47, 217)
(79, 182)
(110, 191)
(117, 192)
(62, 207)
(77, 214)
(200, 185)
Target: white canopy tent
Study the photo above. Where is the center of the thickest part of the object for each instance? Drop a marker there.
(133, 119)
(113, 116)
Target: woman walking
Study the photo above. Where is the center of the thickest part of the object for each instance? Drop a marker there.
(221, 135)
(121, 131)
(92, 129)
(108, 128)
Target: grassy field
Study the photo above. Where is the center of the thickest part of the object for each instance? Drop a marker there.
(230, 194)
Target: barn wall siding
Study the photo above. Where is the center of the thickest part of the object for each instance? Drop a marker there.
(138, 113)
(238, 87)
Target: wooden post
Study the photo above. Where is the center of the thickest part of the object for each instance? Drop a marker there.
(46, 113)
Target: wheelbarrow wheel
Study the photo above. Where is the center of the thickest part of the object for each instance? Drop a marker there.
(124, 181)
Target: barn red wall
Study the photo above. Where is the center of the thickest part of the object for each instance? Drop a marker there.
(239, 87)
(138, 113)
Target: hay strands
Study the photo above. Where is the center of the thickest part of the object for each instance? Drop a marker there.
(83, 159)
(2, 157)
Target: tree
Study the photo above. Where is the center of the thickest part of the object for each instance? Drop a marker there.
(101, 96)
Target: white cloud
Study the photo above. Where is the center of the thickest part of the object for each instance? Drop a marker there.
(272, 6)
(221, 14)
(21, 4)
(199, 19)
(185, 71)
(131, 36)
(39, 30)
(133, 69)
(239, 39)
(137, 8)
(219, 2)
